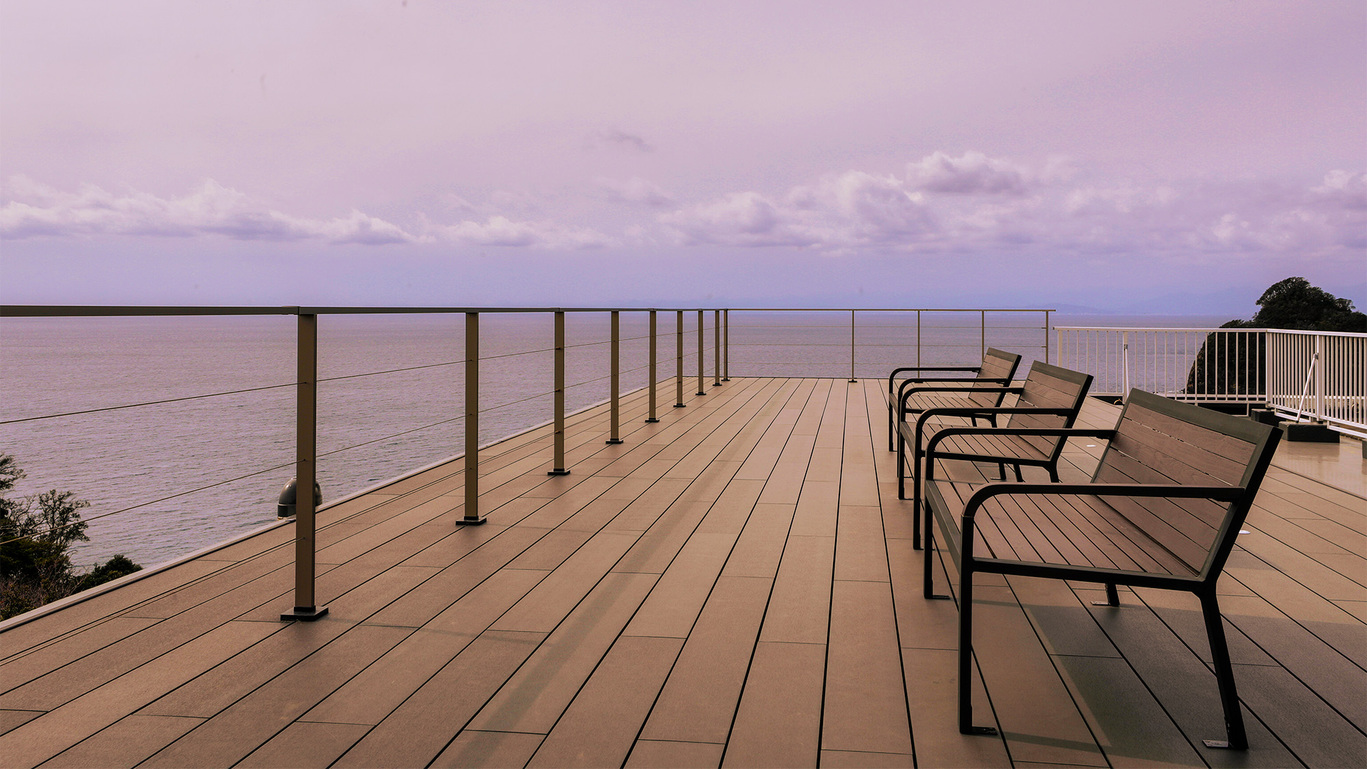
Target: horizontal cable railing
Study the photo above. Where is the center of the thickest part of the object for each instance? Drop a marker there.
(308, 383)
(578, 365)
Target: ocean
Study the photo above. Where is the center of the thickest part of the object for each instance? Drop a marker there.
(179, 431)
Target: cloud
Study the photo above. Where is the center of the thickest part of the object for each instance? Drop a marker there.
(1344, 189)
(624, 140)
(634, 190)
(501, 231)
(35, 210)
(973, 173)
(837, 213)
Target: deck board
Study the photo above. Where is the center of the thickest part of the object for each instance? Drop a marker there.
(732, 586)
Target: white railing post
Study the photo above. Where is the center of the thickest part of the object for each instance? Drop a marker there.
(1125, 361)
(305, 473)
(1319, 377)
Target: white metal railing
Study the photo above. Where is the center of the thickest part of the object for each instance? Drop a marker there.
(1319, 376)
(1200, 365)
(1306, 375)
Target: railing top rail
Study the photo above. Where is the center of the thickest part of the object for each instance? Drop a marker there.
(890, 309)
(1295, 332)
(1160, 328)
(53, 310)
(1348, 334)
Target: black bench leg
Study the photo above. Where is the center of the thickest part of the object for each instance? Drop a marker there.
(966, 655)
(1112, 597)
(928, 562)
(1224, 675)
(902, 493)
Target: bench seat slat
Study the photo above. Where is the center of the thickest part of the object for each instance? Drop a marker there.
(1075, 530)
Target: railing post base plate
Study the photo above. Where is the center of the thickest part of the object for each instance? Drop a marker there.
(652, 420)
(613, 441)
(304, 614)
(471, 521)
(557, 472)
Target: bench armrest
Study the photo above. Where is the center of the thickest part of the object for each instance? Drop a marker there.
(896, 371)
(956, 382)
(1174, 491)
(969, 385)
(1036, 432)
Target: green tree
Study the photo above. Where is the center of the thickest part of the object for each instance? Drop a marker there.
(36, 534)
(1295, 304)
(1291, 304)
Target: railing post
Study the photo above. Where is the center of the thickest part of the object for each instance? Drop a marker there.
(918, 337)
(1046, 337)
(615, 381)
(1125, 362)
(559, 464)
(472, 516)
(982, 333)
(678, 378)
(1319, 377)
(702, 390)
(651, 369)
(726, 347)
(305, 473)
(716, 348)
(852, 379)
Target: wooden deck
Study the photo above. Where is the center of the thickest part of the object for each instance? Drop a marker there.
(733, 586)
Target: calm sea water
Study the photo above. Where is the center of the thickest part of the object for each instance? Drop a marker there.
(391, 394)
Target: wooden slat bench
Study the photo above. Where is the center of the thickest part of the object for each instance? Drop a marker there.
(1050, 397)
(1162, 511)
(929, 387)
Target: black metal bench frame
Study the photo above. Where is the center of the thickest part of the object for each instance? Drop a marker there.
(1019, 416)
(1238, 498)
(899, 397)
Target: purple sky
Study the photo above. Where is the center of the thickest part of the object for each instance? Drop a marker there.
(1159, 156)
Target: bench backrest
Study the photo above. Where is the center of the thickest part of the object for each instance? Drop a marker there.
(1159, 440)
(998, 368)
(1050, 387)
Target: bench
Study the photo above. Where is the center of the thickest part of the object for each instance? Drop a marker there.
(1162, 510)
(1050, 397)
(917, 393)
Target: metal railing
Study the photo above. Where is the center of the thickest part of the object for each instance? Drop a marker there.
(876, 341)
(1305, 375)
(306, 383)
(1319, 376)
(870, 342)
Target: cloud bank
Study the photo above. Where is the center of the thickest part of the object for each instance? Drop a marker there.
(211, 209)
(941, 203)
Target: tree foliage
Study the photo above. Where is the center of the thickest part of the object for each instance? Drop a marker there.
(1295, 304)
(1291, 304)
(36, 534)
